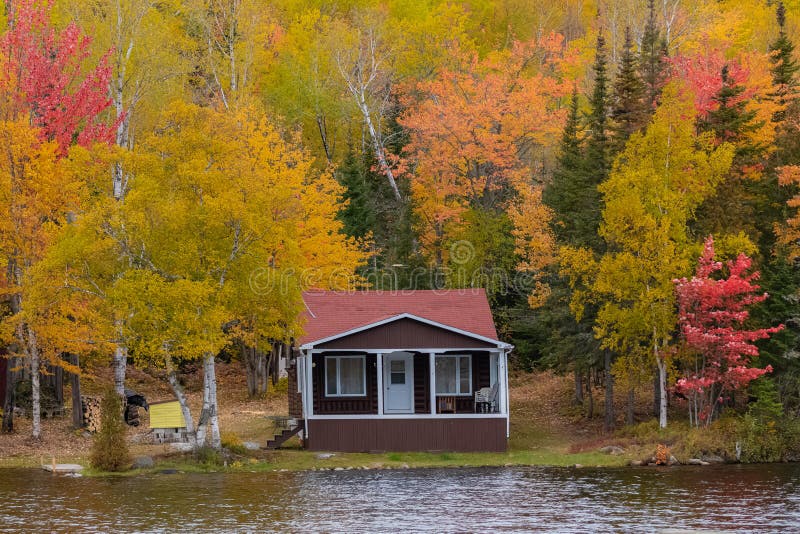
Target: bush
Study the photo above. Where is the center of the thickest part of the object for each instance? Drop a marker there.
(109, 449)
(760, 441)
(233, 443)
(278, 390)
(208, 456)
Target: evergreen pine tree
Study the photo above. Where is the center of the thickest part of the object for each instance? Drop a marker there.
(110, 449)
(652, 66)
(732, 209)
(628, 111)
(784, 67)
(358, 215)
(597, 162)
(598, 166)
(563, 194)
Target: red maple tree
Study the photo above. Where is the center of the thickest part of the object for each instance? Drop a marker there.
(43, 74)
(702, 73)
(712, 312)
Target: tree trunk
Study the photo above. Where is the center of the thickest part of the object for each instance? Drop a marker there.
(275, 362)
(629, 415)
(590, 407)
(36, 401)
(213, 416)
(255, 364)
(662, 390)
(77, 405)
(656, 393)
(177, 390)
(578, 387)
(608, 422)
(120, 364)
(8, 401)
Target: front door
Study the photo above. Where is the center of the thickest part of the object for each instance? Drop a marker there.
(398, 383)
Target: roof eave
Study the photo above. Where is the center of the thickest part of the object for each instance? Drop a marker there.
(499, 344)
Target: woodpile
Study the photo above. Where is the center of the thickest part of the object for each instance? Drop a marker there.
(92, 413)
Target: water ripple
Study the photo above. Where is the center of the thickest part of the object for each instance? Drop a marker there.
(725, 498)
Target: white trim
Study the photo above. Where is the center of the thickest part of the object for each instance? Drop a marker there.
(432, 381)
(338, 359)
(458, 375)
(309, 385)
(389, 350)
(496, 343)
(506, 396)
(379, 372)
(417, 416)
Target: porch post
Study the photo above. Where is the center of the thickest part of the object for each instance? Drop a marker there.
(503, 378)
(379, 371)
(309, 385)
(503, 357)
(432, 381)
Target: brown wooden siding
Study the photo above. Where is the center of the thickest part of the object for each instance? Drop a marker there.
(404, 334)
(422, 377)
(366, 435)
(368, 404)
(295, 398)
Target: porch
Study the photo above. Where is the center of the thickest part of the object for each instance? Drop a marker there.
(403, 382)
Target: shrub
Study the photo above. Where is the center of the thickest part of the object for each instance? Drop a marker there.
(233, 443)
(109, 449)
(760, 441)
(208, 456)
(278, 390)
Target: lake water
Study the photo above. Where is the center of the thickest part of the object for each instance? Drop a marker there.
(754, 498)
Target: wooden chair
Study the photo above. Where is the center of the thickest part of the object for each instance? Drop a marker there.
(446, 404)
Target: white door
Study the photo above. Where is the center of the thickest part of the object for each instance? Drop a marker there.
(398, 383)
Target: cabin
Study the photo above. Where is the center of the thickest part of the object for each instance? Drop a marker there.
(400, 371)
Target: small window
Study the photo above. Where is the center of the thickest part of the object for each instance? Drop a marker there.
(345, 376)
(398, 372)
(454, 375)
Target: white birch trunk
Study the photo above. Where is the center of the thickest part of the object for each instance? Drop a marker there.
(202, 423)
(177, 389)
(211, 388)
(120, 364)
(36, 406)
(662, 387)
(377, 146)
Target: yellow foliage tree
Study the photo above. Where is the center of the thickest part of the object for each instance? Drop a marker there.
(656, 184)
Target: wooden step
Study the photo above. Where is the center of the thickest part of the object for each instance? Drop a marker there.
(283, 437)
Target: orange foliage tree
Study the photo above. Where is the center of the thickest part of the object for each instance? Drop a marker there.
(478, 132)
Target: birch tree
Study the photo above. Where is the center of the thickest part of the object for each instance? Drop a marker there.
(147, 51)
(365, 64)
(50, 101)
(226, 215)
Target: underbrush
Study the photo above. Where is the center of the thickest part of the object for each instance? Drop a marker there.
(735, 438)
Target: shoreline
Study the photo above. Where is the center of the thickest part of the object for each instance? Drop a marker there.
(307, 461)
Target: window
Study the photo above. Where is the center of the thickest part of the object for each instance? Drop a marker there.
(454, 375)
(345, 376)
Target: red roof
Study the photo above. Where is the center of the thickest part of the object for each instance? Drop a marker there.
(329, 313)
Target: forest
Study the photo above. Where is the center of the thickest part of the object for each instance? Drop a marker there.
(620, 175)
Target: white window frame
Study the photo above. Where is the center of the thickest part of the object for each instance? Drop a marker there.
(458, 374)
(337, 359)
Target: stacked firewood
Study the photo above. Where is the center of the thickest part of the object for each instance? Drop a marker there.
(91, 413)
